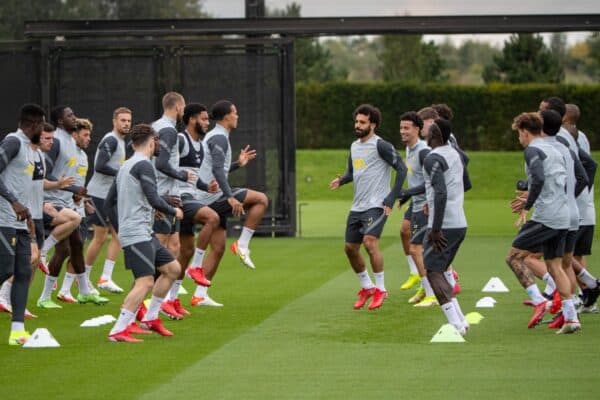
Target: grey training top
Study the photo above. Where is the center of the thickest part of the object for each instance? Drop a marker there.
(16, 171)
(414, 163)
(443, 172)
(547, 176)
(137, 196)
(82, 170)
(370, 167)
(61, 160)
(585, 201)
(191, 154)
(109, 157)
(167, 162)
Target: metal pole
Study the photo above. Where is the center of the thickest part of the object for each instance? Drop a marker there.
(300, 218)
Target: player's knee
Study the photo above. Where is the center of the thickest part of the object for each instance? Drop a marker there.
(350, 249)
(173, 270)
(415, 251)
(99, 234)
(263, 200)
(371, 244)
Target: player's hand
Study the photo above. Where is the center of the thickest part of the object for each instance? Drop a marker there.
(334, 184)
(246, 154)
(31, 229)
(387, 210)
(522, 219)
(178, 214)
(174, 201)
(50, 210)
(213, 186)
(436, 237)
(81, 191)
(77, 199)
(89, 207)
(191, 177)
(426, 209)
(237, 208)
(158, 215)
(66, 181)
(21, 211)
(518, 204)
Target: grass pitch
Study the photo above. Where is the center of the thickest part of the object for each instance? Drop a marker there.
(288, 330)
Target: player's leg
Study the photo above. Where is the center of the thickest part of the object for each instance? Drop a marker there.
(20, 287)
(85, 295)
(424, 297)
(106, 281)
(211, 264)
(60, 226)
(255, 205)
(405, 233)
(61, 253)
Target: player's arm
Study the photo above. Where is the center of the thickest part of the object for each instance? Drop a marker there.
(590, 166)
(106, 149)
(168, 139)
(534, 158)
(143, 171)
(218, 146)
(9, 148)
(389, 154)
(349, 174)
(467, 185)
(581, 179)
(406, 194)
(111, 199)
(435, 166)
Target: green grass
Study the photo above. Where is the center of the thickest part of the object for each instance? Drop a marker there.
(288, 330)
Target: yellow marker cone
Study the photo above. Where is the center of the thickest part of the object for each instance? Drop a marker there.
(473, 318)
(447, 334)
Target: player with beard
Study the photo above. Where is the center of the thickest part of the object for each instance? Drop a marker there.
(370, 167)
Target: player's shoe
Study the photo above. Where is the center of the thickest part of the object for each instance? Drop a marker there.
(156, 326)
(456, 289)
(557, 322)
(134, 329)
(167, 308)
(109, 285)
(538, 313)
(93, 289)
(455, 275)
(43, 267)
(378, 298)
(363, 296)
(243, 254)
(179, 308)
(569, 327)
(48, 303)
(528, 302)
(204, 301)
(593, 309)
(124, 336)
(413, 279)
(5, 306)
(197, 275)
(91, 298)
(556, 304)
(18, 338)
(66, 298)
(428, 301)
(592, 295)
(29, 314)
(141, 312)
(419, 295)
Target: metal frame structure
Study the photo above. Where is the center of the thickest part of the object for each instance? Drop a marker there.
(317, 26)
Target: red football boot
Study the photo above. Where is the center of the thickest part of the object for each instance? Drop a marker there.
(197, 274)
(363, 296)
(378, 298)
(557, 322)
(156, 326)
(179, 308)
(167, 308)
(538, 313)
(123, 336)
(556, 303)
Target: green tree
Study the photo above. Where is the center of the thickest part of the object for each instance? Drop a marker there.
(312, 59)
(525, 58)
(407, 58)
(593, 44)
(14, 13)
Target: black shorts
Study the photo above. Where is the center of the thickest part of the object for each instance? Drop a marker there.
(570, 241)
(113, 218)
(48, 220)
(144, 258)
(223, 208)
(361, 223)
(408, 212)
(15, 251)
(534, 236)
(166, 225)
(98, 217)
(39, 232)
(584, 240)
(418, 227)
(439, 261)
(190, 208)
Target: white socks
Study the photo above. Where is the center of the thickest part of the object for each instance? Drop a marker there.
(587, 279)
(244, 239)
(198, 257)
(153, 308)
(107, 270)
(379, 281)
(459, 312)
(49, 282)
(534, 294)
(125, 319)
(568, 309)
(365, 280)
(67, 283)
(427, 286)
(201, 291)
(49, 243)
(17, 326)
(550, 285)
(411, 265)
(88, 271)
(450, 278)
(84, 289)
(452, 315)
(5, 290)
(174, 291)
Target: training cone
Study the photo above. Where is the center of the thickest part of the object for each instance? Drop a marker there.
(473, 318)
(495, 285)
(147, 303)
(182, 290)
(486, 302)
(41, 337)
(447, 334)
(102, 320)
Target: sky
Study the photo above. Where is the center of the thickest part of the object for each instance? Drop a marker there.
(356, 8)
